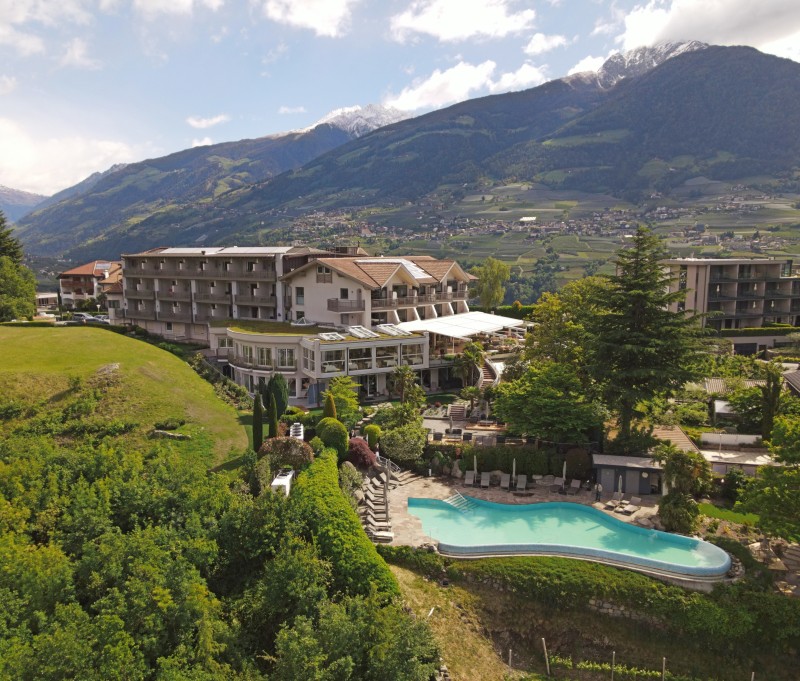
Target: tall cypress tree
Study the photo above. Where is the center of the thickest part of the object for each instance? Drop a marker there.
(272, 418)
(639, 347)
(279, 389)
(329, 408)
(258, 422)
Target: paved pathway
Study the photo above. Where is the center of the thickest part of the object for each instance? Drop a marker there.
(408, 528)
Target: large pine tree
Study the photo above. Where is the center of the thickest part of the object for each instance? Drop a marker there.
(10, 247)
(17, 283)
(639, 347)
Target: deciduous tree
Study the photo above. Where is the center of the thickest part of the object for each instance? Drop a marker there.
(490, 287)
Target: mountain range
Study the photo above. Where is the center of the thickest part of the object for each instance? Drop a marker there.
(15, 203)
(648, 120)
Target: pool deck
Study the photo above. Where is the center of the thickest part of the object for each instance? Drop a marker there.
(408, 528)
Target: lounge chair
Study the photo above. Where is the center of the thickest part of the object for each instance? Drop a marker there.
(634, 505)
(558, 483)
(379, 526)
(380, 536)
(547, 480)
(375, 514)
(469, 478)
(486, 479)
(613, 502)
(505, 481)
(574, 487)
(626, 499)
(522, 483)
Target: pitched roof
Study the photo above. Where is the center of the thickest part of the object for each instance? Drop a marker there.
(792, 379)
(676, 436)
(722, 386)
(96, 268)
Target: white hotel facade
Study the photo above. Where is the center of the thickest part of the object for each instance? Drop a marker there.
(308, 314)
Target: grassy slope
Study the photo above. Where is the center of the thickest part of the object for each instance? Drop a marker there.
(38, 362)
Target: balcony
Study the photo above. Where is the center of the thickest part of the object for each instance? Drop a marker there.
(255, 275)
(269, 301)
(140, 314)
(343, 305)
(334, 367)
(324, 278)
(364, 364)
(175, 295)
(212, 297)
(170, 316)
(141, 294)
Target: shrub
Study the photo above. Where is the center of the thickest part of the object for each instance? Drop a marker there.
(169, 424)
(359, 453)
(329, 409)
(334, 434)
(287, 451)
(316, 444)
(373, 434)
(678, 512)
(404, 444)
(318, 505)
(349, 482)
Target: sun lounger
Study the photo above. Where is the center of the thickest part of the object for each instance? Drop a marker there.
(375, 498)
(522, 483)
(486, 479)
(380, 536)
(574, 487)
(469, 478)
(378, 526)
(634, 505)
(375, 514)
(505, 481)
(558, 483)
(626, 499)
(613, 502)
(547, 480)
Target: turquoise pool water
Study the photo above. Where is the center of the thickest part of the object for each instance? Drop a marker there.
(564, 528)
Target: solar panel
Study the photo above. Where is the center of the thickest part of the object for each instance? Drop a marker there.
(332, 336)
(362, 332)
(392, 330)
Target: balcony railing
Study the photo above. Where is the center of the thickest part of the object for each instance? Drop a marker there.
(175, 295)
(342, 305)
(333, 367)
(254, 300)
(260, 275)
(140, 314)
(142, 294)
(324, 278)
(212, 297)
(360, 364)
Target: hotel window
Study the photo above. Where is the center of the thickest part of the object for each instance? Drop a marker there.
(247, 353)
(300, 295)
(251, 267)
(309, 359)
(286, 357)
(225, 342)
(265, 357)
(344, 294)
(169, 326)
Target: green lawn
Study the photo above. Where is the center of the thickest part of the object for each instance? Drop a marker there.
(153, 384)
(713, 511)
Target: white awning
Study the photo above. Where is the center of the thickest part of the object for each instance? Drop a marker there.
(464, 325)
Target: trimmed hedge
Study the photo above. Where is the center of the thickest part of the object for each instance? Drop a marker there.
(530, 461)
(317, 503)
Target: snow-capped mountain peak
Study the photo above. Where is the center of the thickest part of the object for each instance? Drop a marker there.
(359, 120)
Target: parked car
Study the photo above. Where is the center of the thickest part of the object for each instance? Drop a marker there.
(102, 318)
(83, 317)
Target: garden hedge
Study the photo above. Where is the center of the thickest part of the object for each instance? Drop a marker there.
(317, 503)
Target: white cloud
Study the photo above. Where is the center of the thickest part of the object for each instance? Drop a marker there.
(291, 109)
(444, 87)
(76, 56)
(720, 22)
(203, 142)
(541, 43)
(33, 161)
(203, 123)
(453, 20)
(15, 15)
(524, 77)
(329, 18)
(154, 8)
(587, 64)
(7, 84)
(25, 44)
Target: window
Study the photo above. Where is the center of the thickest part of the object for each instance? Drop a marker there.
(309, 359)
(203, 265)
(344, 294)
(300, 295)
(169, 326)
(251, 267)
(286, 357)
(227, 266)
(265, 357)
(247, 353)
(332, 361)
(225, 342)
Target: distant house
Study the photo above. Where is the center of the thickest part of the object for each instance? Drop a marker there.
(46, 302)
(83, 283)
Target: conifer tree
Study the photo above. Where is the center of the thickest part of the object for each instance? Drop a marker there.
(279, 389)
(272, 418)
(329, 408)
(10, 247)
(640, 347)
(258, 422)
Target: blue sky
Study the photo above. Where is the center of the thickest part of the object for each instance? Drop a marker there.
(85, 84)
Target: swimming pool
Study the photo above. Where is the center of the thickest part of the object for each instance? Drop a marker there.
(487, 528)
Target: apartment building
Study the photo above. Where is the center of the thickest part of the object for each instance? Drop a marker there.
(84, 282)
(738, 293)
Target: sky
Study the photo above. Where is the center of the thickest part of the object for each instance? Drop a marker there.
(85, 84)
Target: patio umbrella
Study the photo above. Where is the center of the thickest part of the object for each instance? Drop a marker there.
(619, 484)
(514, 470)
(564, 470)
(475, 462)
